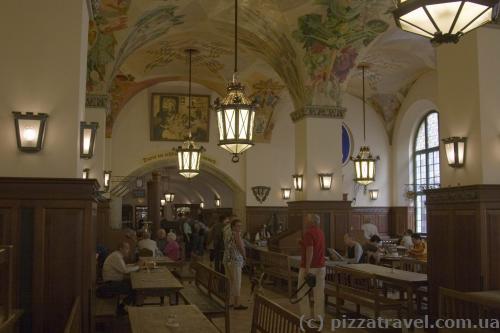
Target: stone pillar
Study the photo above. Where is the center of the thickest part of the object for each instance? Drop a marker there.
(318, 133)
(154, 192)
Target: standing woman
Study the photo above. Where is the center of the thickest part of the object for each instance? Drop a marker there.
(234, 259)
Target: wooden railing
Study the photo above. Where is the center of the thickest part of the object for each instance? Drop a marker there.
(463, 305)
(74, 322)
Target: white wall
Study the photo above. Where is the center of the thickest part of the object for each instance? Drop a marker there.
(44, 54)
(421, 99)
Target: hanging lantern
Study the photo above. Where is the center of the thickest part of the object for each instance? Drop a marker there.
(88, 133)
(169, 197)
(325, 181)
(443, 21)
(364, 162)
(189, 155)
(455, 151)
(298, 182)
(30, 130)
(235, 113)
(285, 193)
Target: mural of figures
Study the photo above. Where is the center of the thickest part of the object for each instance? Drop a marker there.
(266, 95)
(170, 117)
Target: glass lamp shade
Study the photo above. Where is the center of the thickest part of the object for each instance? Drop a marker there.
(298, 182)
(285, 193)
(217, 202)
(169, 197)
(107, 179)
(364, 166)
(235, 119)
(373, 194)
(86, 173)
(455, 151)
(443, 21)
(30, 130)
(162, 202)
(325, 181)
(202, 205)
(189, 156)
(88, 133)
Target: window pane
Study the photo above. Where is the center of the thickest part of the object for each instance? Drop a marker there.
(432, 130)
(420, 143)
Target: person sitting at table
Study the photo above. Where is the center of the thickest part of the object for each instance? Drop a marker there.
(372, 250)
(172, 249)
(115, 276)
(407, 241)
(419, 250)
(354, 250)
(161, 240)
(263, 234)
(147, 243)
(369, 229)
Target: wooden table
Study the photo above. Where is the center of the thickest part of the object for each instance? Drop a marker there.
(157, 282)
(153, 319)
(164, 261)
(408, 281)
(295, 262)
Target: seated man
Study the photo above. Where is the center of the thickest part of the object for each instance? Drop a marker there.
(369, 229)
(115, 276)
(372, 250)
(147, 243)
(354, 250)
(161, 238)
(419, 250)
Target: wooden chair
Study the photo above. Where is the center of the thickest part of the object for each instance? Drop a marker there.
(145, 253)
(210, 293)
(269, 317)
(416, 266)
(74, 322)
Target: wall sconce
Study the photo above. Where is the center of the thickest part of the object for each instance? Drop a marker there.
(162, 202)
(325, 181)
(202, 205)
(169, 197)
(373, 194)
(107, 179)
(30, 130)
(139, 183)
(455, 151)
(217, 202)
(86, 173)
(285, 193)
(298, 182)
(88, 133)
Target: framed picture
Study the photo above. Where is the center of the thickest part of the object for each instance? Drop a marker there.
(169, 117)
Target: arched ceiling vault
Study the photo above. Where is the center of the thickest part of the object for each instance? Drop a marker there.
(308, 48)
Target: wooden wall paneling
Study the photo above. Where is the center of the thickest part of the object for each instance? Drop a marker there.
(490, 247)
(256, 216)
(379, 216)
(466, 224)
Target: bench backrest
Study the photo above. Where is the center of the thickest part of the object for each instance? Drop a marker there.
(214, 283)
(74, 321)
(351, 280)
(460, 305)
(269, 317)
(275, 260)
(413, 265)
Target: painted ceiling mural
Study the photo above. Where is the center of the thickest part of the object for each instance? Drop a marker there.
(308, 49)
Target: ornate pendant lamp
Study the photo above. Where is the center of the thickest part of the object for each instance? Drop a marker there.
(235, 113)
(443, 21)
(189, 155)
(364, 162)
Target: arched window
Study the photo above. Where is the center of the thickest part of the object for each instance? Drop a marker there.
(426, 165)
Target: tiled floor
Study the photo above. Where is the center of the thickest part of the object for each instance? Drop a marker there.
(241, 321)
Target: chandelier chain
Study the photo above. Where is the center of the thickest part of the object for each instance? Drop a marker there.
(189, 90)
(364, 106)
(235, 36)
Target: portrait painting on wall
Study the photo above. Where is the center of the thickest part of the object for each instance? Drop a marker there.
(170, 117)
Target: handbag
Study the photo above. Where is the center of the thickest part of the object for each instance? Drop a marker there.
(310, 281)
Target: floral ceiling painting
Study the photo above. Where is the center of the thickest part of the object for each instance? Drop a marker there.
(307, 49)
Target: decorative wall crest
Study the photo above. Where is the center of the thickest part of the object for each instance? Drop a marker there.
(261, 193)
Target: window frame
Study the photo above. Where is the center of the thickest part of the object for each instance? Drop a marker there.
(426, 152)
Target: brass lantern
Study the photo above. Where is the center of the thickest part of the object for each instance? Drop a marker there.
(235, 113)
(373, 194)
(455, 151)
(88, 133)
(285, 193)
(30, 130)
(189, 155)
(443, 21)
(217, 202)
(107, 179)
(86, 173)
(162, 202)
(298, 182)
(325, 181)
(169, 197)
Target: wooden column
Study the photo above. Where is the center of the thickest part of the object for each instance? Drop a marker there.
(464, 239)
(154, 193)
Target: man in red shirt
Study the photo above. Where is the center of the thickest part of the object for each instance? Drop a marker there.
(313, 262)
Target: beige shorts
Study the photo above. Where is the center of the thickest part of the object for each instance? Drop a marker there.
(233, 272)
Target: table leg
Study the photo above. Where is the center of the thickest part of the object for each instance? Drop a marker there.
(411, 313)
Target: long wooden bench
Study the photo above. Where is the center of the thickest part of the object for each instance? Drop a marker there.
(360, 288)
(471, 306)
(269, 317)
(74, 322)
(210, 293)
(277, 265)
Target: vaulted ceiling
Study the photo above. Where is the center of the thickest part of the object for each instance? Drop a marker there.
(308, 48)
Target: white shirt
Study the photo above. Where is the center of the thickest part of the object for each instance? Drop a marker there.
(114, 268)
(370, 230)
(148, 244)
(407, 242)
